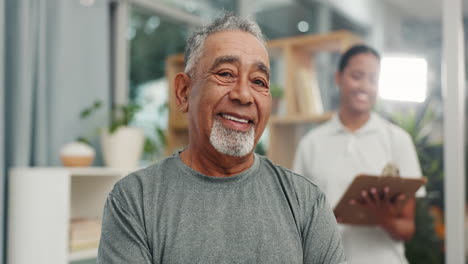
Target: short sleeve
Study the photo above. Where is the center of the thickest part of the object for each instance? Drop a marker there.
(321, 238)
(123, 239)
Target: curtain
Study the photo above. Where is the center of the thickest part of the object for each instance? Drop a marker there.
(2, 128)
(54, 62)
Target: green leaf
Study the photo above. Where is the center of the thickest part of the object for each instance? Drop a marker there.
(149, 146)
(85, 113)
(97, 104)
(161, 136)
(83, 140)
(114, 126)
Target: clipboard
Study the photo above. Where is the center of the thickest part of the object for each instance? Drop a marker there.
(357, 215)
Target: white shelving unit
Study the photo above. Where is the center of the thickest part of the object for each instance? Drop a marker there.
(83, 254)
(41, 203)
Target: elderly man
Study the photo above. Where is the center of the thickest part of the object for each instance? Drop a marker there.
(216, 201)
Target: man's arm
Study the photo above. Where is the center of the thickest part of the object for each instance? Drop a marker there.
(123, 239)
(321, 238)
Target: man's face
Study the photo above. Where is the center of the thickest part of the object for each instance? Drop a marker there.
(359, 83)
(229, 103)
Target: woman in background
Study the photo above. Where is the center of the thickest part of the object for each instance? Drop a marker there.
(357, 141)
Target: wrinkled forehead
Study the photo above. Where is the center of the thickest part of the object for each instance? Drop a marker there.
(241, 47)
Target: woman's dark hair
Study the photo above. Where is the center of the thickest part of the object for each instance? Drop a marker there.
(353, 51)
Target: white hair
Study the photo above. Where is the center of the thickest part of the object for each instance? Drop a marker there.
(196, 42)
(231, 142)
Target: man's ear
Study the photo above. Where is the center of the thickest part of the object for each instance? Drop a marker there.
(182, 85)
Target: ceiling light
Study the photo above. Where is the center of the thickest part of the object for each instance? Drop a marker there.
(303, 26)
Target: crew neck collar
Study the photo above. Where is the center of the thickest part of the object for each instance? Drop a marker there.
(234, 179)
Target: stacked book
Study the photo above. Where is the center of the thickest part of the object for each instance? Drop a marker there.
(84, 234)
(308, 97)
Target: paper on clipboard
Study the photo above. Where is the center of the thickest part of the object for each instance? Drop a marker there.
(358, 215)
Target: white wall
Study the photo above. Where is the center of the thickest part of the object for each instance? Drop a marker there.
(384, 20)
(368, 13)
(361, 11)
(392, 23)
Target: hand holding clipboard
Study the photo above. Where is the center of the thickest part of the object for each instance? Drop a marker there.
(370, 189)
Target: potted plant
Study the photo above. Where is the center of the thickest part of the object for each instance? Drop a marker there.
(85, 114)
(80, 152)
(155, 140)
(122, 145)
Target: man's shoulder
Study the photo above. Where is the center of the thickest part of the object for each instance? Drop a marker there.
(136, 181)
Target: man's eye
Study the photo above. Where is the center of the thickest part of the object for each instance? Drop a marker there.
(225, 74)
(259, 82)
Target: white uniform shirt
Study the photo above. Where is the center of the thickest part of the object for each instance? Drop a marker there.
(331, 156)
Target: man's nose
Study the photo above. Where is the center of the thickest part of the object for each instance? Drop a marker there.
(242, 92)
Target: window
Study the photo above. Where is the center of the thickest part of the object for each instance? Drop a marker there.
(152, 39)
(403, 78)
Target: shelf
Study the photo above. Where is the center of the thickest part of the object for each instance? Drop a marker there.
(300, 119)
(334, 41)
(83, 254)
(100, 171)
(32, 212)
(82, 171)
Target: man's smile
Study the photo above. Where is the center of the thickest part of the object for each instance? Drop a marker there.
(235, 121)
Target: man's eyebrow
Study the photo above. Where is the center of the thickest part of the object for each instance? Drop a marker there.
(235, 59)
(263, 68)
(224, 59)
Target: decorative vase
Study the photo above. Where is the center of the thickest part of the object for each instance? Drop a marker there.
(123, 148)
(77, 154)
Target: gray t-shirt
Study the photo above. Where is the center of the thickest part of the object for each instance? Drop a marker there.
(169, 213)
